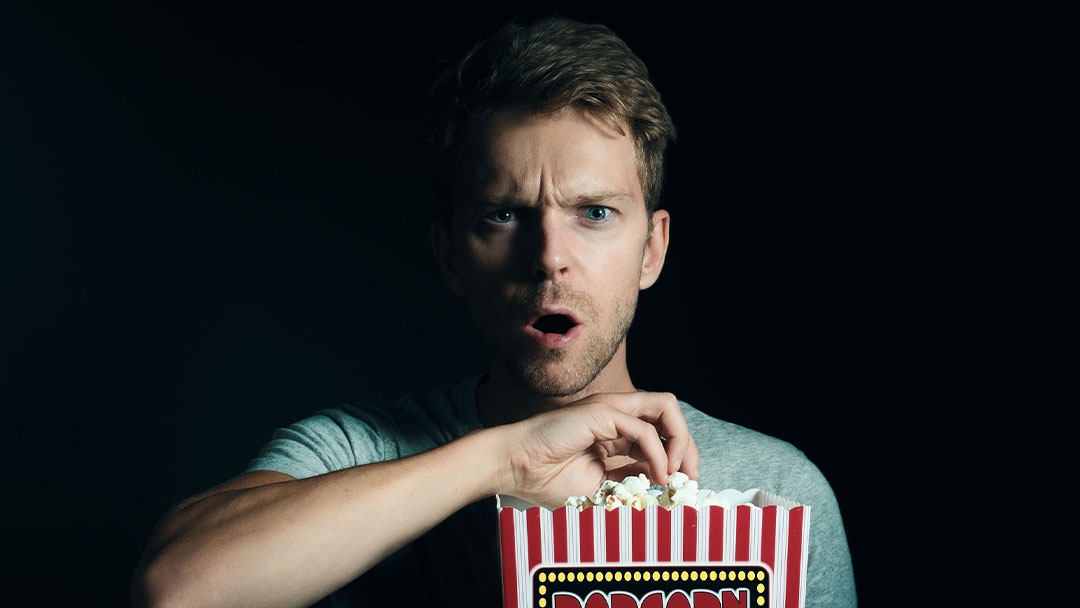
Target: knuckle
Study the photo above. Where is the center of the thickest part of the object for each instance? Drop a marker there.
(598, 409)
(603, 420)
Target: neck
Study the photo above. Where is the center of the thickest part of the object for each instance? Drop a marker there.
(502, 400)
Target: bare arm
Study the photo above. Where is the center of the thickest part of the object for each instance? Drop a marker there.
(293, 542)
(265, 539)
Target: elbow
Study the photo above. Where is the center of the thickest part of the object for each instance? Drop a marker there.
(144, 591)
(150, 588)
(155, 584)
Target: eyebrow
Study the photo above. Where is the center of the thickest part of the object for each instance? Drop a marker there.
(511, 200)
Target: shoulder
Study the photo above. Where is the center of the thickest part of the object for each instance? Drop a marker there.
(427, 419)
(437, 416)
(329, 440)
(734, 456)
(360, 433)
(414, 422)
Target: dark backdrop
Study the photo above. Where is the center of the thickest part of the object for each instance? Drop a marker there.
(213, 222)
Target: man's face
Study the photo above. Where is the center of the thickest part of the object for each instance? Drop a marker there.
(550, 234)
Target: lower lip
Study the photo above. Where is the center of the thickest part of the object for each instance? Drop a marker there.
(553, 340)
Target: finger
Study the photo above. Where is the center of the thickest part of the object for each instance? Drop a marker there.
(648, 441)
(623, 447)
(664, 412)
(617, 447)
(630, 470)
(615, 462)
(630, 453)
(622, 450)
(692, 461)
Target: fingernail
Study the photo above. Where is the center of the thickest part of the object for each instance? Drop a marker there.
(678, 463)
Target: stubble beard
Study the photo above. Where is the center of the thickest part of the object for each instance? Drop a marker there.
(530, 366)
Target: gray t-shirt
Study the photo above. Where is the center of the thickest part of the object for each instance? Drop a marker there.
(456, 563)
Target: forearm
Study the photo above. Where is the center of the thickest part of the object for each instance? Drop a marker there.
(290, 543)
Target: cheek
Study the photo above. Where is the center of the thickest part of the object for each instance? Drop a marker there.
(625, 262)
(486, 255)
(481, 273)
(617, 283)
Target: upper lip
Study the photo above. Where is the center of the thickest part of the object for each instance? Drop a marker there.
(554, 311)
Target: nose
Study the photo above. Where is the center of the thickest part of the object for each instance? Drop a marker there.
(551, 255)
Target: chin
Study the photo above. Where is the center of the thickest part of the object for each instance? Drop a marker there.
(551, 386)
(552, 376)
(556, 372)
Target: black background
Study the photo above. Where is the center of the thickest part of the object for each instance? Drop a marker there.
(213, 222)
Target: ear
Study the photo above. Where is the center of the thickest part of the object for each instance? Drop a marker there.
(443, 247)
(652, 260)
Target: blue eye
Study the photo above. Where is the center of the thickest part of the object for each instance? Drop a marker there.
(501, 216)
(597, 213)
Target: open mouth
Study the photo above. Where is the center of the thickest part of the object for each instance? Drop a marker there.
(554, 324)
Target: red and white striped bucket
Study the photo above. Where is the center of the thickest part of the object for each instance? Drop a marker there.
(749, 556)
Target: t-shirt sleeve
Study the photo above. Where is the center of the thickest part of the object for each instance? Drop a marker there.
(829, 577)
(330, 440)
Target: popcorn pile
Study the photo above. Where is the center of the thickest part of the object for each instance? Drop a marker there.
(638, 493)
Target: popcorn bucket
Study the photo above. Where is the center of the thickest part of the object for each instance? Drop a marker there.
(746, 556)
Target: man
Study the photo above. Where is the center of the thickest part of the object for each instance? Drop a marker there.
(551, 152)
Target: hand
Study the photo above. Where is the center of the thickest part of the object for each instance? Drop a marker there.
(571, 450)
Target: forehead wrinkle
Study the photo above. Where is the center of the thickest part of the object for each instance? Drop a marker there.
(507, 179)
(521, 171)
(553, 183)
(512, 198)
